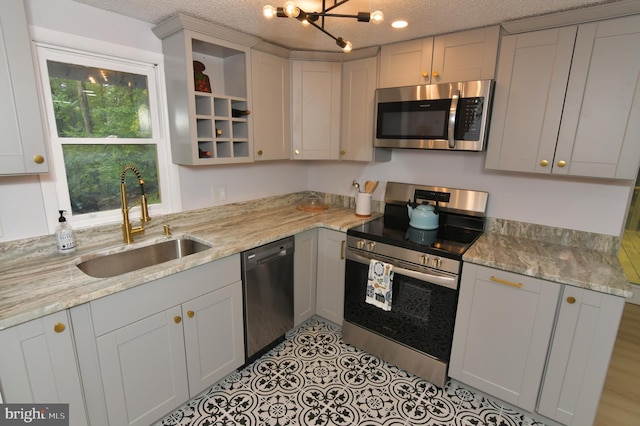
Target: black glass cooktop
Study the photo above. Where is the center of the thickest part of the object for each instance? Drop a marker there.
(454, 235)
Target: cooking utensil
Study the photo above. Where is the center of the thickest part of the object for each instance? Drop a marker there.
(356, 185)
(370, 186)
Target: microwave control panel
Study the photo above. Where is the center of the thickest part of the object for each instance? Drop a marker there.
(469, 120)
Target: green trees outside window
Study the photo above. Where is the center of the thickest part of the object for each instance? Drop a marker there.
(98, 112)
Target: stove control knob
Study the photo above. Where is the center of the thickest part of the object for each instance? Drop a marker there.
(371, 245)
(360, 244)
(437, 262)
(424, 259)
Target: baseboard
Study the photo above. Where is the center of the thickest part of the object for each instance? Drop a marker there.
(635, 299)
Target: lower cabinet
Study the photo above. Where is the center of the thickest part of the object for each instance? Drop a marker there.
(150, 348)
(38, 365)
(331, 266)
(539, 345)
(143, 369)
(305, 269)
(584, 338)
(503, 328)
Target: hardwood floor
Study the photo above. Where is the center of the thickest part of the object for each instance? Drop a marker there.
(629, 255)
(620, 401)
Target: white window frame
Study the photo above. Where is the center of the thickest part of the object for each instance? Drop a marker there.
(104, 55)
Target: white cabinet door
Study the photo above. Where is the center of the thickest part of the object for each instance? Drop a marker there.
(316, 110)
(305, 275)
(358, 102)
(601, 119)
(465, 55)
(213, 336)
(331, 266)
(529, 95)
(143, 369)
(271, 77)
(406, 64)
(38, 365)
(22, 146)
(503, 328)
(461, 56)
(583, 341)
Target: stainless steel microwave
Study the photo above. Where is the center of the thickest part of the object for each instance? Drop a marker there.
(449, 116)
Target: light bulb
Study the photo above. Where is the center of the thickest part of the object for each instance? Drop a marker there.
(377, 17)
(269, 11)
(348, 47)
(399, 24)
(305, 23)
(291, 10)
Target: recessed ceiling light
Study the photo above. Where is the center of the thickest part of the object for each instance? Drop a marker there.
(399, 24)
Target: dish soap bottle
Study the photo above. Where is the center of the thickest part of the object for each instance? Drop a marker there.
(65, 239)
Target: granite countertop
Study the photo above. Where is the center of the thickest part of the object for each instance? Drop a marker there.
(579, 259)
(37, 281)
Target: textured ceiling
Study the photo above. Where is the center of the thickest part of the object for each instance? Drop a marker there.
(425, 17)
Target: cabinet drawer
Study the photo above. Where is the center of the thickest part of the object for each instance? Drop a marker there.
(120, 309)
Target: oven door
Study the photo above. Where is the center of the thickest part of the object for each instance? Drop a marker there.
(423, 305)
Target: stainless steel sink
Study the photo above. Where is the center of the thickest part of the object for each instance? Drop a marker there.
(111, 265)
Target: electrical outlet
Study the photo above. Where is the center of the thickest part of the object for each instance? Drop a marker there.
(218, 193)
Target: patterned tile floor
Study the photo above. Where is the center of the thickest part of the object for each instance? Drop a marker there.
(314, 378)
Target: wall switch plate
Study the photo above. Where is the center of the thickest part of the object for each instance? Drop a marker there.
(218, 193)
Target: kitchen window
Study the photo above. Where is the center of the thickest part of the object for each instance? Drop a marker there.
(102, 113)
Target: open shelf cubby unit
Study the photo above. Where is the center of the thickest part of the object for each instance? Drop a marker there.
(221, 137)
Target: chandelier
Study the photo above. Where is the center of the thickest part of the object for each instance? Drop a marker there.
(290, 10)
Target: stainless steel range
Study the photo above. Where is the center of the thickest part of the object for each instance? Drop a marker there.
(412, 325)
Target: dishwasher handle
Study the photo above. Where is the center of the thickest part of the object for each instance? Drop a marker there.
(268, 253)
(271, 258)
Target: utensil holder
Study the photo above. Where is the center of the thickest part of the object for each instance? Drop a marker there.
(363, 204)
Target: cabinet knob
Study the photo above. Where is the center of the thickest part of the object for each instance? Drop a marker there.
(435, 74)
(297, 151)
(425, 74)
(59, 327)
(562, 163)
(177, 319)
(190, 314)
(259, 152)
(38, 159)
(544, 163)
(571, 300)
(343, 152)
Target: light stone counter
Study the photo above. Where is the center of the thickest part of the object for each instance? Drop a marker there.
(35, 280)
(569, 257)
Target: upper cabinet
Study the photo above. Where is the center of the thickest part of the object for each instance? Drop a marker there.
(272, 106)
(208, 96)
(553, 112)
(359, 79)
(316, 110)
(462, 56)
(22, 145)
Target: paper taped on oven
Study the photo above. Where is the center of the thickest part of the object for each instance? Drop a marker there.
(380, 284)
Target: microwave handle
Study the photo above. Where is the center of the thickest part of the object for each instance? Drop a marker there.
(452, 119)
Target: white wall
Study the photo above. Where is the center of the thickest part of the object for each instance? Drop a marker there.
(588, 205)
(581, 204)
(241, 182)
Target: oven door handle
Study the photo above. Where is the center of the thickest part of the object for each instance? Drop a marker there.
(438, 279)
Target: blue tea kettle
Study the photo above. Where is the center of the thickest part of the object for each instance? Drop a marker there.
(423, 216)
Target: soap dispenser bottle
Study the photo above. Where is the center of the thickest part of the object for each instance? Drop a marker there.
(65, 239)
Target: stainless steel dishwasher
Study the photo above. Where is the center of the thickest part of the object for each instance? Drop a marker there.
(267, 279)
